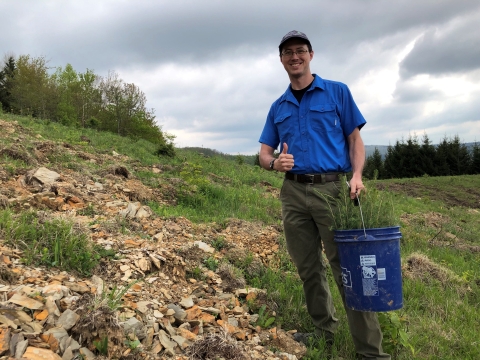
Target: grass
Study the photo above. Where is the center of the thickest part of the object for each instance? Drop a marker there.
(439, 218)
(48, 242)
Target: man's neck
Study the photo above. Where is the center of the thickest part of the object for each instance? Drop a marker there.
(301, 82)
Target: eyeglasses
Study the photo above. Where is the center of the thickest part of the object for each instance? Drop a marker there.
(289, 53)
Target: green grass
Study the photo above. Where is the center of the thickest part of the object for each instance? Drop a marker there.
(439, 218)
(49, 242)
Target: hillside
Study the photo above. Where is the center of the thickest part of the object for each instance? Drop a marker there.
(108, 249)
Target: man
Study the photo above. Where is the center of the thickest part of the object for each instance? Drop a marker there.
(317, 125)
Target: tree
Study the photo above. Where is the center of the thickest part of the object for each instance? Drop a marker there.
(458, 157)
(79, 99)
(68, 86)
(6, 83)
(475, 163)
(33, 92)
(441, 158)
(410, 154)
(394, 161)
(374, 164)
(90, 96)
(427, 155)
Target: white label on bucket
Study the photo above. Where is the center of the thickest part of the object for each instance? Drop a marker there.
(370, 287)
(368, 260)
(382, 275)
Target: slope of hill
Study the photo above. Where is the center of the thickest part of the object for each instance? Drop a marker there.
(109, 250)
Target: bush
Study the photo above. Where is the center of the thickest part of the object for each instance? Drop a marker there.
(165, 149)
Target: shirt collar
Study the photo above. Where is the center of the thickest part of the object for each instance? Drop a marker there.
(317, 83)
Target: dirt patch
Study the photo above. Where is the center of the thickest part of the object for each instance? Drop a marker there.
(232, 277)
(6, 275)
(138, 191)
(420, 267)
(18, 152)
(430, 219)
(96, 324)
(216, 346)
(287, 344)
(435, 193)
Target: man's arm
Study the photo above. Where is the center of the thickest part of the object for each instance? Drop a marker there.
(357, 159)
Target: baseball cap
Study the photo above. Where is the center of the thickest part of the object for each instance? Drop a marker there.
(294, 34)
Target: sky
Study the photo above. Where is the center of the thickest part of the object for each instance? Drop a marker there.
(210, 69)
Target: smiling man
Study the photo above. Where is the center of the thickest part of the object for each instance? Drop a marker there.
(317, 125)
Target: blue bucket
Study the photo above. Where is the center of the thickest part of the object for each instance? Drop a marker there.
(371, 268)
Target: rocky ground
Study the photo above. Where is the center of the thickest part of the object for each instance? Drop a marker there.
(167, 312)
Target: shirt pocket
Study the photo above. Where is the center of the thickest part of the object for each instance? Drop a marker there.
(284, 124)
(324, 117)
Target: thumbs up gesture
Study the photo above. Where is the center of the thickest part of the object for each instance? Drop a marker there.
(285, 160)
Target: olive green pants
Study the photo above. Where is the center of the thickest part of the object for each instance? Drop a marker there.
(307, 221)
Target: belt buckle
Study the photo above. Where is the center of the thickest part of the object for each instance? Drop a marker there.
(311, 178)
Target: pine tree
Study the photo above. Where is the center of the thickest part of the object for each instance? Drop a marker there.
(410, 155)
(6, 78)
(475, 163)
(392, 163)
(441, 158)
(458, 158)
(427, 155)
(374, 163)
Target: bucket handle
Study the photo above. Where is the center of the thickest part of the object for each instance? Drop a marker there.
(360, 207)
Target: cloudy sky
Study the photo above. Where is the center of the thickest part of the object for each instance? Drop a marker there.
(210, 68)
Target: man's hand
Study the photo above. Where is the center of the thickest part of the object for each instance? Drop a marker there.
(356, 187)
(285, 161)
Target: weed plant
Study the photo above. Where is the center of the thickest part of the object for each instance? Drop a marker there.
(112, 298)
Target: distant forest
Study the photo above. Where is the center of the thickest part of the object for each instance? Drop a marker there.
(29, 87)
(414, 158)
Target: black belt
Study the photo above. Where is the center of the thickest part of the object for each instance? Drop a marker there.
(313, 178)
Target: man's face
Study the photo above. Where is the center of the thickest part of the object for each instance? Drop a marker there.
(296, 65)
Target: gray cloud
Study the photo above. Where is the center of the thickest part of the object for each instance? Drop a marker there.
(446, 51)
(210, 68)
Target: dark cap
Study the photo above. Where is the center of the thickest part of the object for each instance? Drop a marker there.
(294, 34)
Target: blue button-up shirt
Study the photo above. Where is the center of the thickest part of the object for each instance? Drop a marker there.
(315, 130)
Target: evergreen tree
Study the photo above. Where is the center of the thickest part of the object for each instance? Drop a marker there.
(441, 158)
(410, 158)
(475, 163)
(427, 155)
(392, 163)
(374, 164)
(458, 157)
(6, 82)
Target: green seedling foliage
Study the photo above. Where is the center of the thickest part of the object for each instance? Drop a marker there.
(376, 207)
(264, 318)
(211, 263)
(132, 344)
(219, 243)
(113, 298)
(102, 346)
(394, 328)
